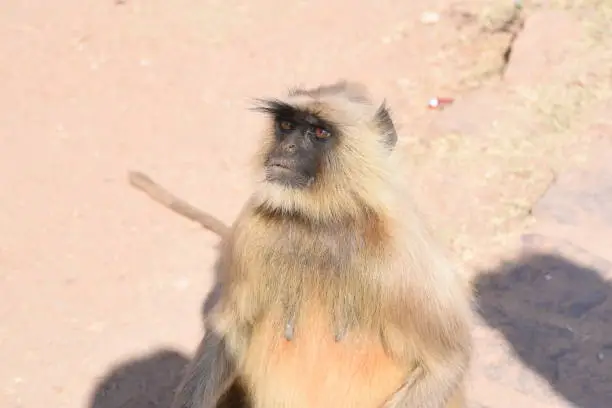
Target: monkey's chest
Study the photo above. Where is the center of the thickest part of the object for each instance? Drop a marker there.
(313, 370)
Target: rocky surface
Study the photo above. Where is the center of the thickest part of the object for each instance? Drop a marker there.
(553, 304)
(544, 48)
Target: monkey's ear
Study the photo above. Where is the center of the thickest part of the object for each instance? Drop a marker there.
(385, 124)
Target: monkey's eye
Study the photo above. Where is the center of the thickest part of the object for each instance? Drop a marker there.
(321, 133)
(286, 125)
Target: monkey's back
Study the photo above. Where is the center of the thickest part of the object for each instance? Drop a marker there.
(313, 370)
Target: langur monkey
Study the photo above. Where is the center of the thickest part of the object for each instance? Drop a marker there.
(333, 293)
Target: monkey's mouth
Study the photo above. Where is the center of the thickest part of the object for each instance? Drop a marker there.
(280, 165)
(280, 173)
(285, 173)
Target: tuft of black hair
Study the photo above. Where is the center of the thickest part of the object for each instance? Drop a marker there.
(274, 107)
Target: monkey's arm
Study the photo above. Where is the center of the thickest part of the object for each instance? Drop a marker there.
(209, 375)
(439, 349)
(433, 382)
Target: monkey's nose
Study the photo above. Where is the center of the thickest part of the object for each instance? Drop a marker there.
(290, 148)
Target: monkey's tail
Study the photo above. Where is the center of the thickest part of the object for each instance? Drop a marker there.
(143, 183)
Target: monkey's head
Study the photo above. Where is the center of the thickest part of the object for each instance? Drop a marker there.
(325, 153)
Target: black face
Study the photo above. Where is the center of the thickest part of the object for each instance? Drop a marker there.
(302, 140)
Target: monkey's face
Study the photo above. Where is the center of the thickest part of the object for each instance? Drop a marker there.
(301, 142)
(325, 153)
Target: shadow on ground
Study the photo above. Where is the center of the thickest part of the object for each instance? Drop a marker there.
(147, 382)
(557, 316)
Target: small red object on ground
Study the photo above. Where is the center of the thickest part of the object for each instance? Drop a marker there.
(437, 103)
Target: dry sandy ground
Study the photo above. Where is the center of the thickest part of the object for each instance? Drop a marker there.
(101, 289)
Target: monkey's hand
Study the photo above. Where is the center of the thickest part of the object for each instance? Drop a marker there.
(433, 383)
(435, 346)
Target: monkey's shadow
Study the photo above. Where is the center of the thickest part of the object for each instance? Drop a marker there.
(148, 382)
(557, 316)
(141, 383)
